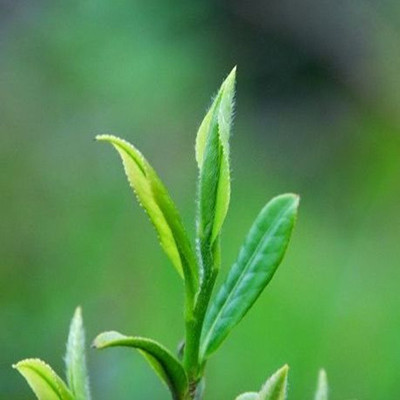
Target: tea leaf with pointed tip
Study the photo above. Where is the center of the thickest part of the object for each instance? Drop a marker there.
(276, 386)
(322, 386)
(44, 382)
(259, 258)
(168, 368)
(154, 198)
(274, 389)
(212, 155)
(75, 360)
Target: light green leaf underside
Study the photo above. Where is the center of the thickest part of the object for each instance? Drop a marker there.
(259, 257)
(44, 382)
(248, 396)
(274, 389)
(155, 200)
(212, 155)
(75, 360)
(322, 386)
(168, 368)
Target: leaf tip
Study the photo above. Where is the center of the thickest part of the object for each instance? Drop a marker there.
(292, 198)
(232, 74)
(322, 386)
(24, 363)
(104, 138)
(104, 339)
(78, 313)
(228, 86)
(285, 369)
(282, 372)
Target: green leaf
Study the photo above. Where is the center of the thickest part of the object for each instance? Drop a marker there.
(276, 386)
(274, 389)
(248, 396)
(322, 386)
(75, 360)
(154, 198)
(259, 257)
(212, 155)
(168, 368)
(44, 382)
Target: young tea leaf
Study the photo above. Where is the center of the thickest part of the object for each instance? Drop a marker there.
(44, 382)
(75, 360)
(168, 368)
(274, 389)
(154, 198)
(212, 154)
(322, 386)
(259, 257)
(276, 386)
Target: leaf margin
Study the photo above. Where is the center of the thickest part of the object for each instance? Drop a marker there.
(210, 340)
(173, 375)
(46, 374)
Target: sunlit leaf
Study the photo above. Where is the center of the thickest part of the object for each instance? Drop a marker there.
(45, 383)
(168, 368)
(322, 386)
(212, 155)
(154, 198)
(75, 360)
(259, 257)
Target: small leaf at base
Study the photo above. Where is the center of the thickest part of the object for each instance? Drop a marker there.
(276, 386)
(274, 389)
(322, 386)
(168, 368)
(44, 382)
(75, 360)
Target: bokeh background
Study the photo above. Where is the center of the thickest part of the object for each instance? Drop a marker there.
(318, 102)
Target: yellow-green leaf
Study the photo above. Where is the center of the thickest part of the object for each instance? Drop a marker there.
(212, 155)
(44, 382)
(276, 386)
(154, 198)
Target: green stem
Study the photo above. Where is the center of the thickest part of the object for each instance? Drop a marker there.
(194, 325)
(195, 318)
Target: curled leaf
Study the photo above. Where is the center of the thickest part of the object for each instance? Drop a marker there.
(44, 382)
(212, 155)
(259, 258)
(167, 367)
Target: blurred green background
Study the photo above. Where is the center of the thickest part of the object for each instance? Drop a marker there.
(318, 102)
